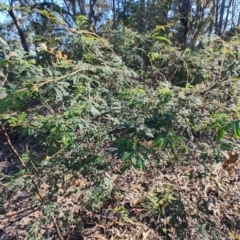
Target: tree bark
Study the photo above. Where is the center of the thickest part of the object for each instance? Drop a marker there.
(20, 31)
(91, 9)
(216, 16)
(141, 25)
(227, 15)
(220, 25)
(184, 9)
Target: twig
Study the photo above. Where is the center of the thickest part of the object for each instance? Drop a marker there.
(19, 158)
(56, 227)
(20, 30)
(31, 160)
(204, 93)
(25, 168)
(12, 147)
(46, 104)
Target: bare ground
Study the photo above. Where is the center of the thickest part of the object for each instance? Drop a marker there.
(188, 200)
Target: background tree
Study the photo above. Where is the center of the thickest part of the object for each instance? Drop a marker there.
(94, 89)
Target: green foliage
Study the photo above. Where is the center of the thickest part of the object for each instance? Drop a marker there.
(136, 94)
(124, 213)
(34, 231)
(95, 196)
(156, 204)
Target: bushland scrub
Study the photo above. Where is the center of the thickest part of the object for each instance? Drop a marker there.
(119, 135)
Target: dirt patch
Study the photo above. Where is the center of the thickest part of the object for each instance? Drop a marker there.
(167, 201)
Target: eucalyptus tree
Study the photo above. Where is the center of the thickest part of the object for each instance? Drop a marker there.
(187, 21)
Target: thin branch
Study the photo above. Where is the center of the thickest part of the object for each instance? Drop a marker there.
(12, 147)
(20, 31)
(56, 227)
(19, 158)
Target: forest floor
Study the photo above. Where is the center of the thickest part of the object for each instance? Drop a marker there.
(188, 200)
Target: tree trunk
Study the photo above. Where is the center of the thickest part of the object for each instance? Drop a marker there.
(220, 25)
(81, 4)
(20, 31)
(141, 26)
(227, 16)
(185, 9)
(211, 26)
(114, 13)
(216, 16)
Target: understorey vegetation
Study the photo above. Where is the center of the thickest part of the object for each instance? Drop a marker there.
(118, 130)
